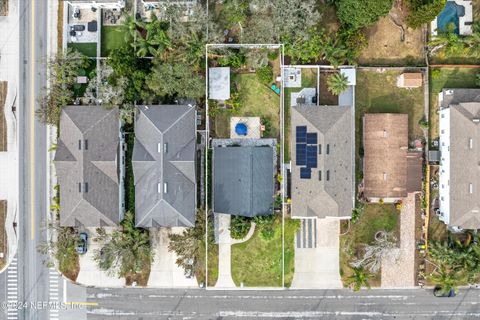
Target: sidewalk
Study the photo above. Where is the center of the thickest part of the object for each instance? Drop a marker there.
(9, 66)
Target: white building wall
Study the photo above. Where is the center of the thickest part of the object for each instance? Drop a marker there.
(444, 183)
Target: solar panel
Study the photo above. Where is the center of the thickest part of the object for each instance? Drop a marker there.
(301, 134)
(301, 154)
(305, 173)
(312, 138)
(312, 156)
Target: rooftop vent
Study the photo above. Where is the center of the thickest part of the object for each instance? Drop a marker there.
(471, 188)
(476, 120)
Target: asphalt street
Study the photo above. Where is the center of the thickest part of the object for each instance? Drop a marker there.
(33, 276)
(287, 304)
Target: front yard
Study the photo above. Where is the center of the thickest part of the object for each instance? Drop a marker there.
(447, 78)
(375, 218)
(258, 262)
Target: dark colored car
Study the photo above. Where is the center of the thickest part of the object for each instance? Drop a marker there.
(82, 243)
(78, 27)
(440, 293)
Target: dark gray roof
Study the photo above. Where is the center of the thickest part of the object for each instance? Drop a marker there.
(164, 157)
(321, 198)
(88, 174)
(243, 180)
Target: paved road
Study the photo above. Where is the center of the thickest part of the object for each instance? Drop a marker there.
(146, 304)
(33, 276)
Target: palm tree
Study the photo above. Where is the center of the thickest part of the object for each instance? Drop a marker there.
(337, 83)
(359, 279)
(129, 28)
(446, 279)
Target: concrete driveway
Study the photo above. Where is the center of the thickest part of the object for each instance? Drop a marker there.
(164, 271)
(317, 255)
(90, 274)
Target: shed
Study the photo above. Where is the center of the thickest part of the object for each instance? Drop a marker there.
(410, 80)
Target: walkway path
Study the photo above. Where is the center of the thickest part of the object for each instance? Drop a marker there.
(398, 269)
(224, 252)
(9, 52)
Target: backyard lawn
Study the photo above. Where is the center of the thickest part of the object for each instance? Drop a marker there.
(375, 217)
(258, 263)
(447, 78)
(87, 49)
(112, 39)
(255, 100)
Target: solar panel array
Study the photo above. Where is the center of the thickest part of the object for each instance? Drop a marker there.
(306, 151)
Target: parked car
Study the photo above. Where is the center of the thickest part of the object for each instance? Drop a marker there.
(82, 243)
(440, 293)
(78, 27)
(76, 13)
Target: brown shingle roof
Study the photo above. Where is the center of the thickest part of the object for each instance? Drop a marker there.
(385, 140)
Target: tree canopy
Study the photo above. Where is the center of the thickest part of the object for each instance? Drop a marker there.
(360, 13)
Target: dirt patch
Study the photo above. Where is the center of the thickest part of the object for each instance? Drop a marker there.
(325, 96)
(141, 278)
(386, 47)
(3, 7)
(72, 273)
(3, 235)
(3, 123)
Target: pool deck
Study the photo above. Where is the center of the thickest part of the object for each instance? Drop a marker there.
(465, 29)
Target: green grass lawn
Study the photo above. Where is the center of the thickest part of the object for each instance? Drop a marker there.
(87, 49)
(112, 38)
(376, 217)
(447, 78)
(258, 263)
(256, 100)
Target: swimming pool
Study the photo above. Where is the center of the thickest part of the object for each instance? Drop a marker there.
(450, 15)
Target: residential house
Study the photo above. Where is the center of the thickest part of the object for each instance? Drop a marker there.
(97, 4)
(390, 170)
(89, 167)
(459, 185)
(322, 167)
(164, 166)
(243, 179)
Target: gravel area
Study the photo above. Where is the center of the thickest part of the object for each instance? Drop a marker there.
(398, 269)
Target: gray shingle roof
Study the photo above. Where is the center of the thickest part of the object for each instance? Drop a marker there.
(164, 157)
(86, 166)
(321, 198)
(464, 106)
(243, 180)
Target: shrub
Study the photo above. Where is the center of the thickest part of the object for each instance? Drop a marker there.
(265, 74)
(265, 225)
(267, 233)
(436, 73)
(239, 227)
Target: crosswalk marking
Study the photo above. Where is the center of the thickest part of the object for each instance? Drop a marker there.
(53, 291)
(12, 290)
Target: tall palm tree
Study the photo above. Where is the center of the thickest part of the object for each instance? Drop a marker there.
(129, 28)
(337, 83)
(360, 278)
